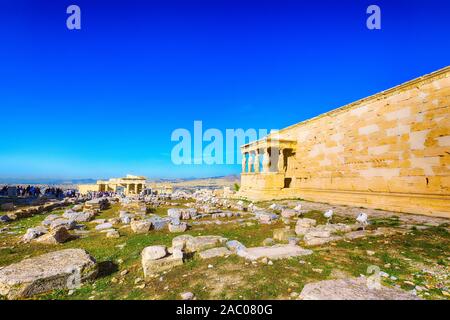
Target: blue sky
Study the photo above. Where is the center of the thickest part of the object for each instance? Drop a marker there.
(103, 101)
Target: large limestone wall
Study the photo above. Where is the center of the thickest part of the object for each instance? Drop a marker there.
(389, 151)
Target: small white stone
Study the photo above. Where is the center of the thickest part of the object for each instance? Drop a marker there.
(187, 295)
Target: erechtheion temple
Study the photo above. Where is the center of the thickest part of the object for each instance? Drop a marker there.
(128, 185)
(388, 151)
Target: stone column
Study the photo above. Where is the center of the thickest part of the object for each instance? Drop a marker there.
(256, 164)
(244, 162)
(281, 161)
(266, 160)
(250, 162)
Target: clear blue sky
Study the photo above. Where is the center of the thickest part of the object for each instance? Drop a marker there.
(104, 100)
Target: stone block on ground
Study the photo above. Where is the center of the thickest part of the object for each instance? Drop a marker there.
(301, 231)
(79, 216)
(352, 289)
(356, 234)
(33, 233)
(48, 219)
(140, 226)
(55, 236)
(60, 222)
(174, 213)
(47, 272)
(159, 223)
(274, 252)
(96, 204)
(103, 226)
(306, 222)
(316, 241)
(214, 252)
(159, 265)
(338, 227)
(201, 243)
(234, 245)
(180, 227)
(266, 217)
(318, 233)
(113, 234)
(283, 234)
(180, 241)
(154, 252)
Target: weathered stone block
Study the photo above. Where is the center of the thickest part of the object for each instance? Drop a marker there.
(154, 252)
(140, 226)
(204, 242)
(180, 227)
(155, 266)
(283, 234)
(55, 236)
(55, 270)
(352, 289)
(275, 252)
(66, 223)
(33, 233)
(214, 252)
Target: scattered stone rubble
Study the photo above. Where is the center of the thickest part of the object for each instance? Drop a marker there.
(39, 209)
(205, 209)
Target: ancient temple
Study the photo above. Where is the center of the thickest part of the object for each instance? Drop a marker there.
(128, 185)
(388, 151)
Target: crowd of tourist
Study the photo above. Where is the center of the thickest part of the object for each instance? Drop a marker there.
(35, 191)
(29, 191)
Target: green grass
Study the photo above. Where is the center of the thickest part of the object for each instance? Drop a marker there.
(402, 255)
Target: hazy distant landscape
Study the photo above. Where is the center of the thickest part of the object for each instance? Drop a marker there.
(228, 180)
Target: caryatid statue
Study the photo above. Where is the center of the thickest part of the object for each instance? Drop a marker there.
(256, 164)
(250, 162)
(266, 161)
(281, 167)
(244, 162)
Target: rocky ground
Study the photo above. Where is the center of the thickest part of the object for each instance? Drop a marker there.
(198, 246)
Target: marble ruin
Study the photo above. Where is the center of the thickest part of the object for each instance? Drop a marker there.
(128, 185)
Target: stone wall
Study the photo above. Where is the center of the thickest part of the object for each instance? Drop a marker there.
(389, 151)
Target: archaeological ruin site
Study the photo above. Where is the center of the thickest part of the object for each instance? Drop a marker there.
(352, 204)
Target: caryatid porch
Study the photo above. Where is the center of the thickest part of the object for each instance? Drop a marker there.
(264, 164)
